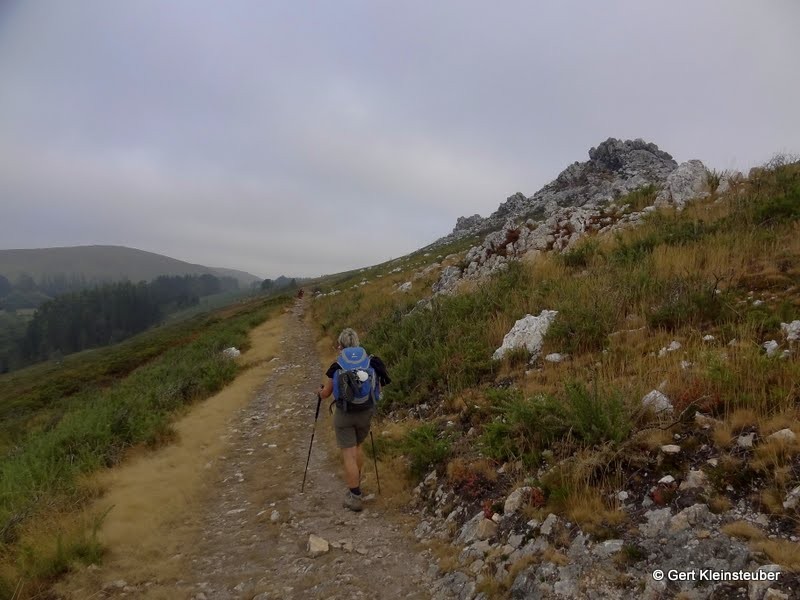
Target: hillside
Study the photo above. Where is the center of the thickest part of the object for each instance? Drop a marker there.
(594, 383)
(105, 263)
(604, 385)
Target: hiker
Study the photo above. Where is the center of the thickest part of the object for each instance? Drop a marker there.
(354, 410)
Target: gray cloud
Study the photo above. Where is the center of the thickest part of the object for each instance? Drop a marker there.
(263, 135)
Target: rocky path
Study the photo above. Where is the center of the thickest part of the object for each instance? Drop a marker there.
(256, 523)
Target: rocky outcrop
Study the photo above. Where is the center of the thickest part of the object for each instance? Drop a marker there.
(582, 199)
(688, 182)
(465, 225)
(614, 168)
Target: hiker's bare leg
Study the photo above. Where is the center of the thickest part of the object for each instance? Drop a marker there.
(359, 462)
(350, 457)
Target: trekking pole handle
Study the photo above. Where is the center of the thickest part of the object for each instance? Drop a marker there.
(319, 401)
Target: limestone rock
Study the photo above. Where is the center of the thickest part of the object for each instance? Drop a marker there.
(317, 546)
(657, 402)
(792, 499)
(688, 182)
(697, 515)
(746, 440)
(784, 435)
(447, 280)
(770, 347)
(791, 331)
(516, 499)
(486, 529)
(695, 480)
(657, 520)
(528, 332)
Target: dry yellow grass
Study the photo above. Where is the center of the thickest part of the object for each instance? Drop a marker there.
(720, 504)
(743, 530)
(166, 484)
(588, 509)
(782, 552)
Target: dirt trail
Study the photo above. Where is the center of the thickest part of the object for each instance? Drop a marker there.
(252, 524)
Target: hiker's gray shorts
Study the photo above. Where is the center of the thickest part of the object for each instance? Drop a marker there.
(352, 428)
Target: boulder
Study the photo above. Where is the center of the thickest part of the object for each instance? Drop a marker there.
(786, 436)
(657, 520)
(688, 182)
(528, 332)
(486, 528)
(516, 499)
(657, 402)
(405, 287)
(770, 347)
(791, 331)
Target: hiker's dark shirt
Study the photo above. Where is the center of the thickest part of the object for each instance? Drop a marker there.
(374, 362)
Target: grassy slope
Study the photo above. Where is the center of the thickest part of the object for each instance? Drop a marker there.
(620, 299)
(61, 420)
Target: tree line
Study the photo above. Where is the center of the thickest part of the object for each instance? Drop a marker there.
(111, 312)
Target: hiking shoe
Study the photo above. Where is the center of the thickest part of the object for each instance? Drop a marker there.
(353, 502)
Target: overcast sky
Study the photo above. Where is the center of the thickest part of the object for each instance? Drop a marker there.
(312, 137)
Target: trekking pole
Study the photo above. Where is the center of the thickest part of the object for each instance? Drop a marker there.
(375, 459)
(313, 431)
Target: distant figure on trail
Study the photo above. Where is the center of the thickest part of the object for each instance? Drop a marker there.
(300, 293)
(355, 380)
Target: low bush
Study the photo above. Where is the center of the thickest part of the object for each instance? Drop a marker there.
(425, 448)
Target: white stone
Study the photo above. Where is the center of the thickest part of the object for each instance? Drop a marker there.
(405, 287)
(231, 352)
(555, 357)
(657, 402)
(771, 347)
(657, 520)
(275, 516)
(688, 182)
(667, 480)
(673, 346)
(792, 499)
(709, 338)
(746, 441)
(528, 332)
(670, 449)
(784, 435)
(791, 331)
(486, 529)
(608, 548)
(756, 590)
(317, 546)
(516, 499)
(549, 523)
(693, 516)
(695, 480)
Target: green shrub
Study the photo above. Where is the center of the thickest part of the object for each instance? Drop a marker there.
(524, 427)
(639, 199)
(689, 301)
(581, 255)
(425, 448)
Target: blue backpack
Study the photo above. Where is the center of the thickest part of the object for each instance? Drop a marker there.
(355, 385)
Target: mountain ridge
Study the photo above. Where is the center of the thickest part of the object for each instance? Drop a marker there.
(106, 262)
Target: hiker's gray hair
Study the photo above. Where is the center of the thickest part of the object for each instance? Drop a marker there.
(348, 338)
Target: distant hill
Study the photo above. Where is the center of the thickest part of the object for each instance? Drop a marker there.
(108, 263)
